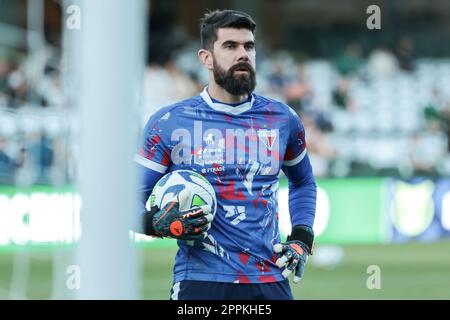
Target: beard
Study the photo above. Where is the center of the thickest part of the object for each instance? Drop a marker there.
(236, 85)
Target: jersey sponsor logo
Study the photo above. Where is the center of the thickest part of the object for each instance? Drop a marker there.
(228, 146)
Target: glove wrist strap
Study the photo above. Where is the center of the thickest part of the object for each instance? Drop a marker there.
(149, 230)
(304, 234)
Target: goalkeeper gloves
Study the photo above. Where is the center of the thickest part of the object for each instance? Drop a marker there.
(294, 252)
(170, 222)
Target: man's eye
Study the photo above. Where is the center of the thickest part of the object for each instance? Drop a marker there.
(229, 46)
(250, 47)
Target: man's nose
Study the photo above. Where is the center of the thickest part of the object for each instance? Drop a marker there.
(242, 54)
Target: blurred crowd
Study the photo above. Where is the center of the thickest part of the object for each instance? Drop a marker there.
(31, 80)
(380, 112)
(383, 112)
(34, 148)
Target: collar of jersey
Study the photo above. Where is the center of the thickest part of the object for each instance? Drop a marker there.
(225, 107)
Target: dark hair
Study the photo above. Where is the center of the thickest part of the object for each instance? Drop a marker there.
(214, 20)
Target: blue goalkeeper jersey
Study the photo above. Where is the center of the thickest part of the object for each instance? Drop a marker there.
(241, 150)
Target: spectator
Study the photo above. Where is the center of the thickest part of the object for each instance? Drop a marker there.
(164, 85)
(4, 70)
(423, 163)
(350, 60)
(16, 87)
(444, 117)
(278, 78)
(434, 112)
(7, 164)
(382, 63)
(26, 174)
(320, 150)
(40, 149)
(340, 95)
(297, 91)
(405, 54)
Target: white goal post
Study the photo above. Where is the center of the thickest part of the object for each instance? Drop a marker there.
(111, 55)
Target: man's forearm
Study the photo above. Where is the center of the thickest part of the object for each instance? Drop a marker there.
(302, 193)
(302, 203)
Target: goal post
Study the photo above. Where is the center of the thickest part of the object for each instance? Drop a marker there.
(111, 55)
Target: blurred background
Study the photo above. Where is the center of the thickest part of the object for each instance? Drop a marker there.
(375, 105)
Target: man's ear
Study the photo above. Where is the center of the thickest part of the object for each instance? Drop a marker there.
(206, 58)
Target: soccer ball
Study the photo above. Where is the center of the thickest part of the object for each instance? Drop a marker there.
(199, 191)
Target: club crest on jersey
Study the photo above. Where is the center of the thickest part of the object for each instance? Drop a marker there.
(267, 136)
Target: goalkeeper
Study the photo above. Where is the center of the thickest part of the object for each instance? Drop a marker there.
(239, 141)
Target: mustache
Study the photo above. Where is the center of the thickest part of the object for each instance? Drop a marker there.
(242, 65)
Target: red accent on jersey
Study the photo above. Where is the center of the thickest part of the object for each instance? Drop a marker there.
(263, 201)
(152, 146)
(242, 279)
(274, 258)
(289, 154)
(165, 161)
(244, 257)
(267, 279)
(228, 192)
(263, 267)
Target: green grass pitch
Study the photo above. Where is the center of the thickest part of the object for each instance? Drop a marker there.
(408, 271)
